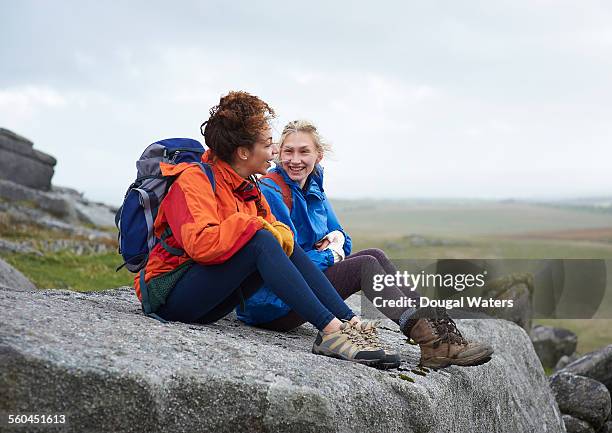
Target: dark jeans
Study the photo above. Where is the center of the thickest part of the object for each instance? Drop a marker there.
(207, 293)
(349, 277)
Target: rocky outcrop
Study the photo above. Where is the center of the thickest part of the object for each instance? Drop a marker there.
(25, 181)
(582, 398)
(95, 358)
(552, 343)
(58, 207)
(583, 388)
(596, 365)
(11, 277)
(22, 164)
(64, 204)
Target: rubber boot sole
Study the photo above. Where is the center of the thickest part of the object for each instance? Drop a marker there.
(389, 362)
(368, 362)
(468, 361)
(387, 365)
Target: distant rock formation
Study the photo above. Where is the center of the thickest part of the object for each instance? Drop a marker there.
(22, 164)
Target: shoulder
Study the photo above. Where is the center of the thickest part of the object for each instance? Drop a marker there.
(269, 187)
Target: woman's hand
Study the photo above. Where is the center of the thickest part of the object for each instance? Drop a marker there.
(335, 242)
(287, 236)
(322, 244)
(267, 226)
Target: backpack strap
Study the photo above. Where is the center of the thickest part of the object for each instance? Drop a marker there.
(144, 295)
(207, 169)
(285, 190)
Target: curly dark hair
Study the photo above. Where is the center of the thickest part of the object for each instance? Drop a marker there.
(237, 121)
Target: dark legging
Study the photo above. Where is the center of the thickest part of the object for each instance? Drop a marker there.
(348, 277)
(207, 293)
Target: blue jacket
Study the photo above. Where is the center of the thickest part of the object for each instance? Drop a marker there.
(312, 217)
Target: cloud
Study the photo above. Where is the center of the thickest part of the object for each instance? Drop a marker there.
(24, 101)
(483, 99)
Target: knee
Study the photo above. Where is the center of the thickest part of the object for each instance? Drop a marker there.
(368, 262)
(376, 253)
(265, 239)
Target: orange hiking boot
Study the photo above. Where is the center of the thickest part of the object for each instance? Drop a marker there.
(441, 342)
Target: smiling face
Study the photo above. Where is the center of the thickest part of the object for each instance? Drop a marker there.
(299, 155)
(258, 159)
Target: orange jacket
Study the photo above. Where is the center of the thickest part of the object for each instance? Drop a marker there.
(209, 226)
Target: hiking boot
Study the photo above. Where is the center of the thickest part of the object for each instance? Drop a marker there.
(369, 332)
(347, 344)
(441, 342)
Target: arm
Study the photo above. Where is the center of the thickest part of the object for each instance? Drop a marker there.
(322, 259)
(190, 209)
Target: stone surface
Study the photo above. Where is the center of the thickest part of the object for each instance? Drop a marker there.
(98, 214)
(11, 277)
(552, 343)
(581, 397)
(18, 247)
(575, 425)
(57, 206)
(22, 164)
(20, 213)
(97, 359)
(520, 294)
(607, 428)
(596, 365)
(565, 361)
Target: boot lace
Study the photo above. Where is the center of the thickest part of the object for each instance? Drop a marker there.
(354, 336)
(369, 332)
(446, 329)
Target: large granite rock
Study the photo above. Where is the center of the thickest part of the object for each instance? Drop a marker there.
(11, 277)
(22, 164)
(95, 358)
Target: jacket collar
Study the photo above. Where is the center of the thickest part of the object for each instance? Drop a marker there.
(242, 188)
(314, 183)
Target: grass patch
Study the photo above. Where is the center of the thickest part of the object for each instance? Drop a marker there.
(483, 247)
(69, 271)
(14, 230)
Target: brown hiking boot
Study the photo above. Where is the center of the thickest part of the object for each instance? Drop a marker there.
(441, 342)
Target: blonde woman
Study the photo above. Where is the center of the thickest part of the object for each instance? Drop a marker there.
(294, 191)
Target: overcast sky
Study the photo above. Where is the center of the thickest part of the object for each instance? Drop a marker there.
(419, 99)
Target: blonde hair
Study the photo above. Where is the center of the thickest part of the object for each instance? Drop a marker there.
(301, 125)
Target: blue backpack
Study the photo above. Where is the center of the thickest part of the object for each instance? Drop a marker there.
(136, 216)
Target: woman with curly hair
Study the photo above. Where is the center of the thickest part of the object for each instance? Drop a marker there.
(233, 244)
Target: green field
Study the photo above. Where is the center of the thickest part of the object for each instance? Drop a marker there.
(442, 229)
(485, 229)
